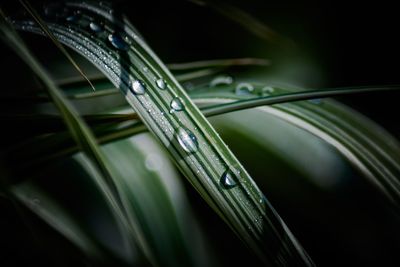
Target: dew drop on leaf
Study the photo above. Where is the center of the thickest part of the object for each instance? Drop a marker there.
(221, 80)
(137, 87)
(161, 84)
(187, 140)
(118, 42)
(95, 27)
(267, 90)
(72, 18)
(176, 105)
(244, 89)
(316, 101)
(228, 180)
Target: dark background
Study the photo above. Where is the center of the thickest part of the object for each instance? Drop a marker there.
(348, 44)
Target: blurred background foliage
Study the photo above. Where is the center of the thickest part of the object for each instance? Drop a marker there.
(337, 215)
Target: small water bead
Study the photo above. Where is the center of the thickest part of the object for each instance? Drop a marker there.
(72, 18)
(95, 27)
(161, 84)
(176, 105)
(267, 90)
(244, 89)
(187, 140)
(118, 41)
(221, 80)
(227, 180)
(137, 87)
(146, 69)
(316, 101)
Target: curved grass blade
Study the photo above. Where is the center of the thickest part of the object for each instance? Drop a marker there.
(41, 204)
(198, 151)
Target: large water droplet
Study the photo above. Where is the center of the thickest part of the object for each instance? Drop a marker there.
(221, 80)
(118, 42)
(187, 140)
(95, 27)
(137, 87)
(244, 89)
(177, 104)
(161, 84)
(228, 180)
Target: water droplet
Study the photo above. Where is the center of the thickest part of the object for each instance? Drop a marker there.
(228, 180)
(95, 27)
(176, 105)
(161, 84)
(316, 101)
(187, 140)
(244, 89)
(145, 69)
(137, 87)
(267, 90)
(72, 18)
(221, 80)
(118, 42)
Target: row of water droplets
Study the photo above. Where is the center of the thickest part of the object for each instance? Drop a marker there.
(241, 88)
(247, 89)
(186, 139)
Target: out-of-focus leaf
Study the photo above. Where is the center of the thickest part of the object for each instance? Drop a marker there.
(46, 208)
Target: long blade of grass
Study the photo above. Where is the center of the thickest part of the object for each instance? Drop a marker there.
(293, 96)
(231, 62)
(198, 151)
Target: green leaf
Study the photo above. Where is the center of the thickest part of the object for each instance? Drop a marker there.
(194, 145)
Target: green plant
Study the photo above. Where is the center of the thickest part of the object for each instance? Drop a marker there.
(130, 177)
